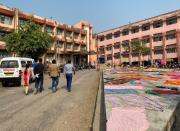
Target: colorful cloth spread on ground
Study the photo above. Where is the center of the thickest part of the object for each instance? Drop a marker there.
(128, 119)
(172, 82)
(123, 87)
(130, 95)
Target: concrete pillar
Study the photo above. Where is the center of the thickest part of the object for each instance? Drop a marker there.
(164, 47)
(178, 44)
(16, 20)
(120, 59)
(151, 49)
(130, 52)
(113, 61)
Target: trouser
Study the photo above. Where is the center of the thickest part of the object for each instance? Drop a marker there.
(55, 82)
(69, 81)
(39, 83)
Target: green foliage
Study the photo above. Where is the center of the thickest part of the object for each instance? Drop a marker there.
(28, 41)
(141, 48)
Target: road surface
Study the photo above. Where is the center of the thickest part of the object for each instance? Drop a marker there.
(47, 111)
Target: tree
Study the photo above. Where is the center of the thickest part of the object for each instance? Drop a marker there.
(30, 40)
(142, 49)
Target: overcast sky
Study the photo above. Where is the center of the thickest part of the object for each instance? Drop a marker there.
(103, 14)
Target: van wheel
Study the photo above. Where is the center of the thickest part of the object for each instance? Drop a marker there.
(4, 84)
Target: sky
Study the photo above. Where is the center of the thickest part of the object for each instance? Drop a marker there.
(103, 14)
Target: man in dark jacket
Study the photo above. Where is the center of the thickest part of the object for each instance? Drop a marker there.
(39, 77)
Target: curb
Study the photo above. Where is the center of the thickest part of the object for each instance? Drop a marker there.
(99, 116)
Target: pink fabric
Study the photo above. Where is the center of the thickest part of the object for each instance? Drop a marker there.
(124, 87)
(130, 119)
(173, 76)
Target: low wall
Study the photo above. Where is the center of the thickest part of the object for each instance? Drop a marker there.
(99, 120)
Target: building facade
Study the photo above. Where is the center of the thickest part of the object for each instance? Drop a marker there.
(71, 42)
(161, 34)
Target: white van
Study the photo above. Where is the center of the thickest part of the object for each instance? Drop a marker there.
(11, 69)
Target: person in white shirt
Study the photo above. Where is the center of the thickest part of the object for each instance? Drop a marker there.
(68, 72)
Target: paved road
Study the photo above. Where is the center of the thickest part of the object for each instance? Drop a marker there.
(60, 111)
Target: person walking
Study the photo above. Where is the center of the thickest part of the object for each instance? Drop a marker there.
(27, 75)
(54, 73)
(39, 76)
(68, 72)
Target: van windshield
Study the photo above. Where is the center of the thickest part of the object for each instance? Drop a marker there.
(9, 64)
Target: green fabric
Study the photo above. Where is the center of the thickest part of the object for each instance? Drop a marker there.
(151, 92)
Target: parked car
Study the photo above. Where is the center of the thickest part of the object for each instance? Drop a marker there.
(11, 69)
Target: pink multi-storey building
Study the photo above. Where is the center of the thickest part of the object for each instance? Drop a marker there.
(160, 33)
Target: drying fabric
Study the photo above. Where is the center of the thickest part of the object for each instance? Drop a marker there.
(117, 100)
(123, 87)
(168, 92)
(109, 78)
(138, 77)
(133, 119)
(151, 92)
(174, 76)
(117, 81)
(120, 91)
(167, 87)
(172, 82)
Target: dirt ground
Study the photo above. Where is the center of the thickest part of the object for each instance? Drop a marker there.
(47, 111)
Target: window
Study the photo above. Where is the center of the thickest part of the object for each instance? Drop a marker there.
(76, 35)
(171, 20)
(145, 27)
(135, 30)
(125, 55)
(117, 55)
(68, 45)
(9, 64)
(109, 47)
(109, 57)
(117, 34)
(3, 34)
(23, 63)
(171, 45)
(125, 43)
(135, 55)
(135, 40)
(101, 49)
(101, 38)
(157, 37)
(76, 47)
(171, 34)
(30, 63)
(59, 32)
(22, 21)
(83, 37)
(125, 32)
(49, 29)
(83, 47)
(6, 19)
(146, 40)
(156, 52)
(173, 50)
(109, 36)
(117, 45)
(157, 24)
(59, 44)
(158, 47)
(68, 34)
